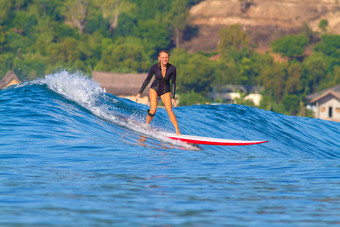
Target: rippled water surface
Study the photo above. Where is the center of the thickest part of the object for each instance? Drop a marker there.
(73, 155)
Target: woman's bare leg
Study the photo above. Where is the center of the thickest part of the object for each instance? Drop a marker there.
(166, 98)
(153, 96)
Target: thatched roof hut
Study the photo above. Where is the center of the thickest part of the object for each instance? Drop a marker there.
(121, 84)
(9, 79)
(125, 85)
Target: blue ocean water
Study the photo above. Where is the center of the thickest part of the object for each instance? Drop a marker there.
(73, 155)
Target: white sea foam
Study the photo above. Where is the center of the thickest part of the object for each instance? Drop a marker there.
(82, 90)
(75, 86)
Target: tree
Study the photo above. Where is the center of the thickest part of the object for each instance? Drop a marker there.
(232, 37)
(127, 25)
(125, 55)
(191, 98)
(5, 11)
(25, 22)
(47, 9)
(323, 25)
(329, 45)
(179, 58)
(197, 75)
(67, 54)
(258, 62)
(291, 104)
(30, 66)
(76, 13)
(314, 71)
(293, 81)
(111, 10)
(152, 9)
(155, 36)
(291, 46)
(311, 35)
(225, 73)
(273, 80)
(336, 77)
(96, 23)
(6, 62)
(178, 18)
(15, 41)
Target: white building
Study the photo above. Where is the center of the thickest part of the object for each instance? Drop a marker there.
(327, 103)
(228, 93)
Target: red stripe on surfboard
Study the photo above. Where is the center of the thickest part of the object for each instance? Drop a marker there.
(236, 143)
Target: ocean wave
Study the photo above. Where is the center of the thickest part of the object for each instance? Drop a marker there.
(60, 99)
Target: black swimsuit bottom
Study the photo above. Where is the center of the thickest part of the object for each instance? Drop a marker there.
(161, 84)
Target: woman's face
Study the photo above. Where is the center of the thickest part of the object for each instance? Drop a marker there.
(163, 58)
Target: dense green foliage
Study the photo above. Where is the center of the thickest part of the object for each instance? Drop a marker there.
(291, 45)
(38, 37)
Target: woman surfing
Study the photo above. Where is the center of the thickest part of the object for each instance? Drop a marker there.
(164, 73)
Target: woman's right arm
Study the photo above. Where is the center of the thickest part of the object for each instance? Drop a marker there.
(145, 83)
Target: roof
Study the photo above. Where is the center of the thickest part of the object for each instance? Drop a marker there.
(335, 91)
(332, 93)
(120, 84)
(9, 79)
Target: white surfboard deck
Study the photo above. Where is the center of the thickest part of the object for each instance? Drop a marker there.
(211, 141)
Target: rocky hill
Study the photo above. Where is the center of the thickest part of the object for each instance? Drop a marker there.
(264, 20)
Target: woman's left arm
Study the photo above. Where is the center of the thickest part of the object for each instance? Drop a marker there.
(173, 87)
(173, 83)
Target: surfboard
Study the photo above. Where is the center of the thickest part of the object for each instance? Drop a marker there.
(212, 141)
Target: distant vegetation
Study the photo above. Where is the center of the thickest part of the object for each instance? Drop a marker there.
(41, 36)
(38, 37)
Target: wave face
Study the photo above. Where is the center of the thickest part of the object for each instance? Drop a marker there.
(72, 154)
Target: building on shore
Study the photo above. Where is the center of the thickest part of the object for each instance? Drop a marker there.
(9, 79)
(228, 93)
(326, 103)
(124, 85)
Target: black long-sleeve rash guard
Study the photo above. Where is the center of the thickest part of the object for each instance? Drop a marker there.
(161, 85)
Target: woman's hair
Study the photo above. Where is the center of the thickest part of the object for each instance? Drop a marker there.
(162, 51)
